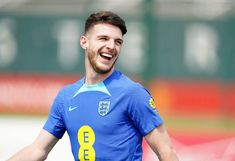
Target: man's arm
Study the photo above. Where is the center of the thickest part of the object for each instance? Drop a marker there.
(160, 143)
(38, 150)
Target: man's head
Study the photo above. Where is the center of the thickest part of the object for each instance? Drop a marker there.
(105, 17)
(102, 41)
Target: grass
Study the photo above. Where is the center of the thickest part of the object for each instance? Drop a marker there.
(201, 124)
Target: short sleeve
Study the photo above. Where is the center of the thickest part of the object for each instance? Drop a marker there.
(54, 123)
(142, 110)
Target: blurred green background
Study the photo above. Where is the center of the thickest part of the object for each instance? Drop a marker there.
(172, 39)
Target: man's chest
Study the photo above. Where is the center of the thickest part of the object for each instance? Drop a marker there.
(101, 112)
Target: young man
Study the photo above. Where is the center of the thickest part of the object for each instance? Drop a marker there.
(105, 113)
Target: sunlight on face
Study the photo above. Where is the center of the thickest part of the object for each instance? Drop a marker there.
(104, 46)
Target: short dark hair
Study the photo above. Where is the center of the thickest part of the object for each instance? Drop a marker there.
(105, 17)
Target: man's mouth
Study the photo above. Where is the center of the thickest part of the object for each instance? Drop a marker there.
(106, 56)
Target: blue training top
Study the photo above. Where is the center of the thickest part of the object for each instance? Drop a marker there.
(105, 121)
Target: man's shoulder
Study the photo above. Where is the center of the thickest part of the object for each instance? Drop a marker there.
(118, 79)
(70, 89)
(129, 84)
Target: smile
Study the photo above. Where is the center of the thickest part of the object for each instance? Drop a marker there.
(107, 56)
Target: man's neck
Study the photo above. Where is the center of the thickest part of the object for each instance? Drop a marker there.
(93, 77)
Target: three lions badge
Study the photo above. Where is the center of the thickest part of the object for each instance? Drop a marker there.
(103, 108)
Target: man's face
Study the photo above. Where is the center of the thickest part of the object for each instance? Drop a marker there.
(104, 46)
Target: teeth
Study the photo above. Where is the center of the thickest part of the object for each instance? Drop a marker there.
(107, 55)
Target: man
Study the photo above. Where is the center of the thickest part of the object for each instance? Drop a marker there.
(105, 113)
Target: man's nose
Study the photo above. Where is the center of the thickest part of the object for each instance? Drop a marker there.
(110, 44)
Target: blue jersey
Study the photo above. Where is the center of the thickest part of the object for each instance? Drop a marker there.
(105, 121)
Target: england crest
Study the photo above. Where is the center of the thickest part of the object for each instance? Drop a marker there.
(103, 108)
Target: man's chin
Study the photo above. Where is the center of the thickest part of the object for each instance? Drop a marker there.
(103, 70)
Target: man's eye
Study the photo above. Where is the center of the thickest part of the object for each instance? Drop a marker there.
(119, 42)
(103, 38)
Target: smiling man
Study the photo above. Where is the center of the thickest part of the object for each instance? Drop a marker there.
(102, 46)
(105, 113)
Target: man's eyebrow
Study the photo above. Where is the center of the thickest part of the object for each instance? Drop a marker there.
(102, 36)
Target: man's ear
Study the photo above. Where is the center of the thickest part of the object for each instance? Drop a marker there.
(84, 42)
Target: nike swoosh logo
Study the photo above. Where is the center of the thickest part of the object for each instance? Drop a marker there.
(72, 108)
